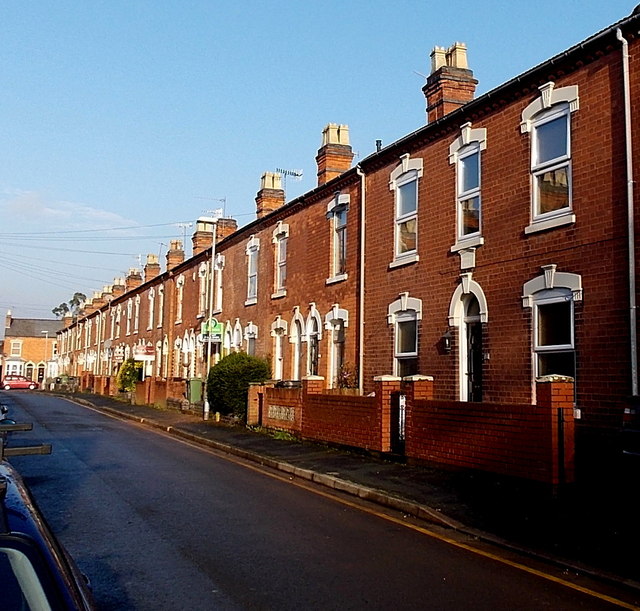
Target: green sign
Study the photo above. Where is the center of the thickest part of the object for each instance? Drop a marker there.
(211, 327)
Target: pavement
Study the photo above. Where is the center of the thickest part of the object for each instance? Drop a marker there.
(590, 527)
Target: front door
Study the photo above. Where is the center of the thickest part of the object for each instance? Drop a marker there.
(471, 352)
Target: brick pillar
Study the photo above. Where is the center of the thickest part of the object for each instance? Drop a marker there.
(254, 400)
(416, 388)
(312, 385)
(556, 394)
(385, 386)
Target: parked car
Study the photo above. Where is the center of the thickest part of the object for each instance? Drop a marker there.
(11, 382)
(35, 570)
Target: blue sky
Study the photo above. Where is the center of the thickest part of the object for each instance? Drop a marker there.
(122, 119)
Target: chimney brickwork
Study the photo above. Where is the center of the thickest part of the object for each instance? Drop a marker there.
(335, 155)
(450, 84)
(151, 267)
(175, 254)
(271, 195)
(133, 280)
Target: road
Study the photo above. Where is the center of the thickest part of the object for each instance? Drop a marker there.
(156, 523)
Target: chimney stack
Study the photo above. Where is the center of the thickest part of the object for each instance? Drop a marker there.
(335, 155)
(450, 84)
(151, 268)
(7, 320)
(117, 288)
(97, 301)
(67, 321)
(202, 237)
(133, 280)
(175, 254)
(225, 228)
(271, 194)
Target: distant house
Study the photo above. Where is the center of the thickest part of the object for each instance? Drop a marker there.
(30, 347)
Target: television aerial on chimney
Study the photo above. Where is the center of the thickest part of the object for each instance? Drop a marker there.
(295, 174)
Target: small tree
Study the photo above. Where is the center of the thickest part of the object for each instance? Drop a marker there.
(128, 375)
(228, 382)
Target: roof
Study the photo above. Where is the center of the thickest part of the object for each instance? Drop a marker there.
(32, 327)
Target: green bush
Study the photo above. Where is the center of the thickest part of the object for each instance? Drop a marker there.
(228, 382)
(128, 375)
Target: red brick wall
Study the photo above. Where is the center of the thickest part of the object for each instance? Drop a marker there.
(342, 419)
(594, 247)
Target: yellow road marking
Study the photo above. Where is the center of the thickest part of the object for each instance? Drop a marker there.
(302, 483)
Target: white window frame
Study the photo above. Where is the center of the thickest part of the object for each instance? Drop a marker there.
(179, 297)
(409, 171)
(297, 338)
(280, 241)
(16, 348)
(552, 104)
(252, 250)
(336, 322)
(551, 287)
(203, 276)
(129, 315)
(136, 314)
(151, 296)
(404, 309)
(217, 288)
(251, 337)
(160, 306)
(471, 141)
(278, 332)
(337, 207)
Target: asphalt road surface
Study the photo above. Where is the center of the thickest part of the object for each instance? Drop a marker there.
(158, 524)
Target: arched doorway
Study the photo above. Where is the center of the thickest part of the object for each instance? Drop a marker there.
(471, 350)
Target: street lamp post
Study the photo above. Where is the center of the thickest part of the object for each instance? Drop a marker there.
(213, 221)
(46, 350)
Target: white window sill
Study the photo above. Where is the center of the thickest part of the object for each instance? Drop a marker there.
(178, 322)
(201, 315)
(471, 242)
(217, 311)
(404, 260)
(279, 294)
(560, 220)
(337, 278)
(251, 301)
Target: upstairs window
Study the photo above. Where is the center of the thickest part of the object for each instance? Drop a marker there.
(16, 348)
(129, 315)
(404, 182)
(548, 120)
(280, 241)
(203, 277)
(337, 214)
(136, 314)
(160, 305)
(151, 296)
(217, 289)
(252, 250)
(465, 154)
(179, 298)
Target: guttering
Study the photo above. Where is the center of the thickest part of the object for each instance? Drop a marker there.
(362, 176)
(633, 319)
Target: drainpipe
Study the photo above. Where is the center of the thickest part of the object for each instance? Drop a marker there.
(361, 296)
(630, 214)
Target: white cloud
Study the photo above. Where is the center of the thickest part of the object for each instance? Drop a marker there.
(33, 209)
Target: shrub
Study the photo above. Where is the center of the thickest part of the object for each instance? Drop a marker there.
(228, 382)
(128, 375)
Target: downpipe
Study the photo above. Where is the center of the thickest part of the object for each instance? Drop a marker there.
(362, 176)
(633, 318)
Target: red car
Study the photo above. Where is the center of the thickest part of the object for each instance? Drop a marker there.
(12, 381)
